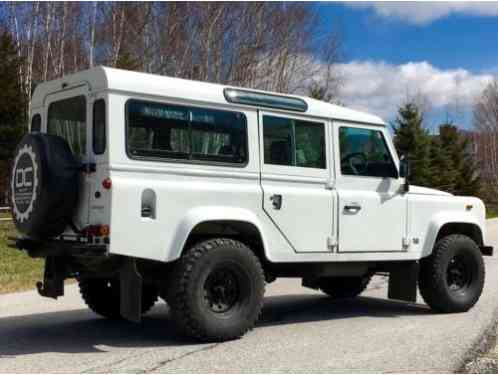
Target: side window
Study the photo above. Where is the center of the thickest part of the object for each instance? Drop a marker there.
(99, 135)
(364, 152)
(159, 130)
(293, 142)
(67, 119)
(36, 123)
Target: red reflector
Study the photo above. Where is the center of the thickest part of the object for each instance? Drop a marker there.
(107, 183)
(104, 230)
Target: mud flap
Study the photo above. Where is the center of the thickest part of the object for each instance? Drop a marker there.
(403, 282)
(53, 278)
(131, 291)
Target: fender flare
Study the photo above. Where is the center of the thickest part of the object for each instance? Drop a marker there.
(441, 219)
(198, 215)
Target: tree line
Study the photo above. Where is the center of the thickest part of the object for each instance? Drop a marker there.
(445, 160)
(259, 45)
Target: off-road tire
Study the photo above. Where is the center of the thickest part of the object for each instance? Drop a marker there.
(45, 179)
(434, 278)
(344, 287)
(103, 296)
(188, 293)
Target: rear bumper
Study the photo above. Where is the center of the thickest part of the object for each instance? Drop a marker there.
(58, 247)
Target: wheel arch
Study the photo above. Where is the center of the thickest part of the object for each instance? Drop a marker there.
(443, 226)
(208, 222)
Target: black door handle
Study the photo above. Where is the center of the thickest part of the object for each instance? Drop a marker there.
(276, 200)
(353, 207)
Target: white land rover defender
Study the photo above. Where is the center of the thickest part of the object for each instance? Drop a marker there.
(142, 186)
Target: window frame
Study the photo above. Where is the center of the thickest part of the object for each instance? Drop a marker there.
(294, 140)
(386, 144)
(179, 160)
(299, 173)
(101, 100)
(38, 117)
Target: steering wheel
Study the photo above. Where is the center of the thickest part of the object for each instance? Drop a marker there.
(361, 160)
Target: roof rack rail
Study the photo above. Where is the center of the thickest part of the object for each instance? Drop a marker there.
(265, 100)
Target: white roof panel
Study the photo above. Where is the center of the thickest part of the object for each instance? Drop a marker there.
(100, 78)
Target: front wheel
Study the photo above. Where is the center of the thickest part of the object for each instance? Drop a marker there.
(451, 279)
(216, 290)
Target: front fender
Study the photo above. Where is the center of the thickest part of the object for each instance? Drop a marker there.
(200, 215)
(448, 217)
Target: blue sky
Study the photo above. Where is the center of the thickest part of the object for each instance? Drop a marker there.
(444, 54)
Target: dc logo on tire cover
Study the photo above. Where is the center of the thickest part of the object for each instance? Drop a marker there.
(24, 182)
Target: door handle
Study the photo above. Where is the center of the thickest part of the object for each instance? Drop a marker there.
(276, 200)
(352, 207)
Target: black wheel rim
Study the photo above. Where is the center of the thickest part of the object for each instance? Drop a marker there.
(458, 274)
(221, 290)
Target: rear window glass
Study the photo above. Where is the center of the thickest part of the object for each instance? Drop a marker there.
(99, 127)
(67, 119)
(157, 130)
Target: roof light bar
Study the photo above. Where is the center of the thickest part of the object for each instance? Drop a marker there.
(265, 100)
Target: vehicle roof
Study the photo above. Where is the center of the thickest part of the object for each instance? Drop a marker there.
(104, 78)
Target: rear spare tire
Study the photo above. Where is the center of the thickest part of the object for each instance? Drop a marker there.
(43, 186)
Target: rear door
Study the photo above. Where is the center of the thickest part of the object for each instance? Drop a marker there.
(294, 177)
(67, 114)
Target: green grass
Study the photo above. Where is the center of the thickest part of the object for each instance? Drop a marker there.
(491, 211)
(17, 270)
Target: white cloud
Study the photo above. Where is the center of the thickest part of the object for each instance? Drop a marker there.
(421, 13)
(379, 88)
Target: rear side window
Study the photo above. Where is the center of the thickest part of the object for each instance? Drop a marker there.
(99, 127)
(157, 130)
(67, 119)
(36, 123)
(293, 142)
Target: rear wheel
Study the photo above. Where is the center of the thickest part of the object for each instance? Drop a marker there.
(102, 296)
(216, 290)
(344, 287)
(451, 279)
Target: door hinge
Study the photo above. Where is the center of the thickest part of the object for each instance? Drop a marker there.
(406, 242)
(330, 185)
(331, 242)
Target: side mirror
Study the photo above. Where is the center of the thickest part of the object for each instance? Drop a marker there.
(404, 171)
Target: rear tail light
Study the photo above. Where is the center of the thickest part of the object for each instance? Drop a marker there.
(107, 183)
(97, 230)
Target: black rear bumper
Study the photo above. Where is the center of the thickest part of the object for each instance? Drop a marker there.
(59, 247)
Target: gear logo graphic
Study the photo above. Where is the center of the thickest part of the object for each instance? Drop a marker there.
(24, 183)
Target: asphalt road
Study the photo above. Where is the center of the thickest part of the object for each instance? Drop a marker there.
(301, 331)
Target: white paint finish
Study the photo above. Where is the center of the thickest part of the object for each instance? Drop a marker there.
(380, 223)
(128, 82)
(312, 211)
(427, 214)
(305, 217)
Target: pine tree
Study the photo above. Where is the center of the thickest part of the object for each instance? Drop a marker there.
(12, 100)
(413, 141)
(12, 106)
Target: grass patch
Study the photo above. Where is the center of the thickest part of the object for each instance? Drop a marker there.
(491, 211)
(17, 270)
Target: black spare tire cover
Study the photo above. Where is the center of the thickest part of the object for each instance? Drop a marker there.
(44, 185)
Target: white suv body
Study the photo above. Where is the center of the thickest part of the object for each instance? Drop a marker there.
(306, 182)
